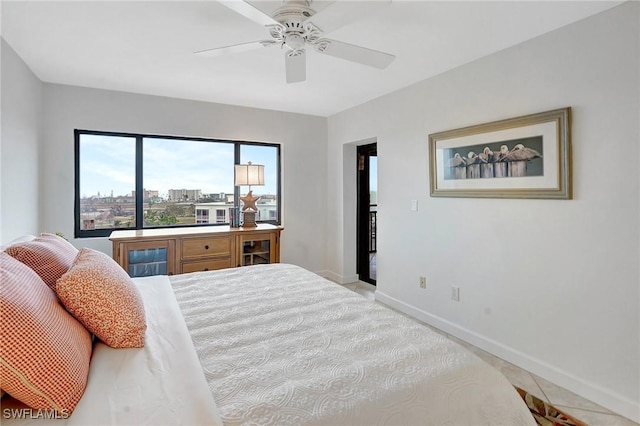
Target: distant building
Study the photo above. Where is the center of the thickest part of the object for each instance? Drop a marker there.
(373, 197)
(147, 195)
(185, 194)
(218, 212)
(218, 196)
(267, 208)
(215, 212)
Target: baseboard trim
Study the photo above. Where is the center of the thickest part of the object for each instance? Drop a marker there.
(340, 279)
(610, 400)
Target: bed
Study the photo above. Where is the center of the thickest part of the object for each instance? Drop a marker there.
(279, 345)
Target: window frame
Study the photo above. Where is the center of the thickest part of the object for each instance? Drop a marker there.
(201, 215)
(139, 190)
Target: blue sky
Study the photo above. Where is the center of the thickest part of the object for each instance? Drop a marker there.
(108, 164)
(373, 173)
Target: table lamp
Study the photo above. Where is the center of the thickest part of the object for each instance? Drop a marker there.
(247, 175)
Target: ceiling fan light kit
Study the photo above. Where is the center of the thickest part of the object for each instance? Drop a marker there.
(295, 25)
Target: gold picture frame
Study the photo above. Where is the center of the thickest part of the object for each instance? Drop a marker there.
(522, 157)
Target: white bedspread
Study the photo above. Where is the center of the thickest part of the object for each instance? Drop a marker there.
(159, 384)
(282, 346)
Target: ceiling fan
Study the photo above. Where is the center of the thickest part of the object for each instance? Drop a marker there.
(295, 26)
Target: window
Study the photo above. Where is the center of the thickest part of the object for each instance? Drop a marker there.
(221, 217)
(269, 199)
(106, 206)
(131, 181)
(202, 216)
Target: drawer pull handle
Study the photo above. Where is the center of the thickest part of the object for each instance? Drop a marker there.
(206, 247)
(206, 269)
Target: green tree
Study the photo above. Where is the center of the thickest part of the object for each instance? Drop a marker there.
(155, 218)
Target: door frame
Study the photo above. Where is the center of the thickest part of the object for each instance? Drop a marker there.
(363, 191)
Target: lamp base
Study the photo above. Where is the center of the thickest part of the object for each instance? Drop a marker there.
(249, 219)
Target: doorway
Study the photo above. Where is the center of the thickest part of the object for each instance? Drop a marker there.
(367, 210)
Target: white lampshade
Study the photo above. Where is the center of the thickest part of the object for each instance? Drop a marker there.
(249, 174)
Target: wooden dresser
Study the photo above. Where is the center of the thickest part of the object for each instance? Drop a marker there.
(171, 251)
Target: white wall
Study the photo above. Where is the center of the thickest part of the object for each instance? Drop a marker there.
(303, 140)
(550, 285)
(21, 115)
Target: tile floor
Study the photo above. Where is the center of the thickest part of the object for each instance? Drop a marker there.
(570, 403)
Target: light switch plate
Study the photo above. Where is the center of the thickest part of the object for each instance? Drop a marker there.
(455, 293)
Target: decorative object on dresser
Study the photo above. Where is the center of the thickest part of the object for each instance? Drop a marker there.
(171, 251)
(247, 175)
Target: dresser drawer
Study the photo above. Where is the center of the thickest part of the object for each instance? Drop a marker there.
(205, 247)
(206, 265)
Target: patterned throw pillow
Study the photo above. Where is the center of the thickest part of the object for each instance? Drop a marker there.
(100, 294)
(44, 351)
(49, 255)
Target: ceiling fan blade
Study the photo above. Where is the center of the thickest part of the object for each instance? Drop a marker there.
(296, 67)
(341, 13)
(236, 48)
(249, 11)
(350, 52)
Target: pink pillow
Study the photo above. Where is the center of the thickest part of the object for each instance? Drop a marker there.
(49, 255)
(44, 351)
(100, 294)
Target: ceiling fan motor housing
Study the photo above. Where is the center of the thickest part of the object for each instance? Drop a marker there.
(294, 33)
(294, 12)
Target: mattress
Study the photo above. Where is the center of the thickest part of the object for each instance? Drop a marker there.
(280, 345)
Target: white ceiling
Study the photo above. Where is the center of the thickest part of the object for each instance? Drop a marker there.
(147, 47)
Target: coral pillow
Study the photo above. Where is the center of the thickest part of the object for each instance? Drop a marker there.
(49, 255)
(100, 294)
(44, 351)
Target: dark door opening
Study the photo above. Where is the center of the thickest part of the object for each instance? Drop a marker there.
(367, 210)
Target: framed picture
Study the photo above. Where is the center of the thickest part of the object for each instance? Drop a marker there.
(523, 157)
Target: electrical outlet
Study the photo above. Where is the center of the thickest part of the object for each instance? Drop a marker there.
(455, 293)
(423, 282)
